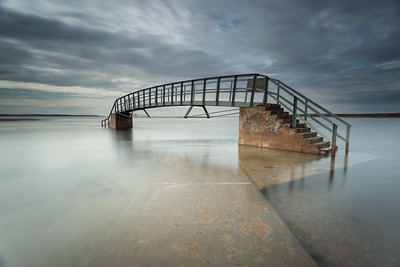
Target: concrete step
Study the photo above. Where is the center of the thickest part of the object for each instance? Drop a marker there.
(303, 130)
(285, 118)
(322, 144)
(317, 139)
(325, 150)
(272, 106)
(309, 134)
(277, 112)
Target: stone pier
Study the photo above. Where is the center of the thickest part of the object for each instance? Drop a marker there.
(270, 127)
(120, 121)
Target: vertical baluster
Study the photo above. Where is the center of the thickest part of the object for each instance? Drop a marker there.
(234, 91)
(172, 93)
(294, 112)
(334, 134)
(306, 110)
(149, 96)
(192, 94)
(163, 95)
(347, 138)
(265, 100)
(204, 91)
(217, 94)
(253, 90)
(278, 92)
(156, 96)
(230, 91)
(181, 93)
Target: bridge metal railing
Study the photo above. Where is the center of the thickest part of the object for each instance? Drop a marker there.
(244, 90)
(321, 120)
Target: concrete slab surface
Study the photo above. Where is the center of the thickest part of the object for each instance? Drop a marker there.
(193, 214)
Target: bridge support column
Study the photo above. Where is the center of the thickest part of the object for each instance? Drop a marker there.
(120, 121)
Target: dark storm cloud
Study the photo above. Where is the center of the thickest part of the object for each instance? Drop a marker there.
(81, 54)
(334, 48)
(16, 94)
(343, 52)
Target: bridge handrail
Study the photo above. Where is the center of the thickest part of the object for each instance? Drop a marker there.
(318, 110)
(275, 81)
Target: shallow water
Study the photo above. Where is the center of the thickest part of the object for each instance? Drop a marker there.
(65, 181)
(349, 216)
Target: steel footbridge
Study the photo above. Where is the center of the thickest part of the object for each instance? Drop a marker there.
(243, 90)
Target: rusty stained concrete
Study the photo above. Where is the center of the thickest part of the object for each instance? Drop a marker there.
(194, 213)
(120, 121)
(258, 127)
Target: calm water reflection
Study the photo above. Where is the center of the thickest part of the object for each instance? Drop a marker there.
(64, 183)
(349, 215)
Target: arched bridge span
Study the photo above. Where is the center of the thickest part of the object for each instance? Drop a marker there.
(242, 90)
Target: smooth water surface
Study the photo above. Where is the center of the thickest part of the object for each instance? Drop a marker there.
(64, 182)
(349, 216)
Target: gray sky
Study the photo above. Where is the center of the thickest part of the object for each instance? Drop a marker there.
(76, 57)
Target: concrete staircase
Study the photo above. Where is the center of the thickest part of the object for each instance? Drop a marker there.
(301, 129)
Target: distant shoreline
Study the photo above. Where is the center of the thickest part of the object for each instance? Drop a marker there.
(46, 115)
(41, 117)
(362, 115)
(28, 117)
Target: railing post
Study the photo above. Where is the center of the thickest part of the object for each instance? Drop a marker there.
(306, 110)
(253, 89)
(294, 112)
(217, 94)
(204, 91)
(181, 93)
(163, 95)
(347, 138)
(278, 92)
(334, 135)
(172, 94)
(265, 100)
(192, 94)
(156, 96)
(149, 94)
(230, 91)
(234, 91)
